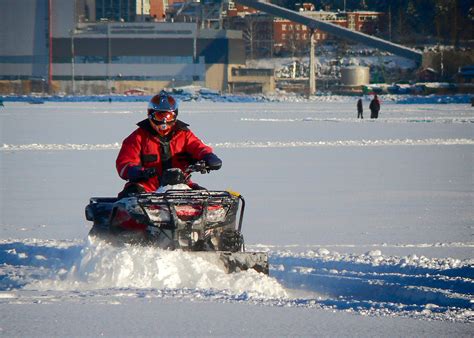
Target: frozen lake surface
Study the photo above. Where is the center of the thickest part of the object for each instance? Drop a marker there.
(368, 223)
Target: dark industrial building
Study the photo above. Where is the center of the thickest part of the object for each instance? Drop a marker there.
(46, 48)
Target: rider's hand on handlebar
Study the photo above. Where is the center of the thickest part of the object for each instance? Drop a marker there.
(138, 173)
(212, 161)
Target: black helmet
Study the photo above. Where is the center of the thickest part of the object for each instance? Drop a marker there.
(163, 111)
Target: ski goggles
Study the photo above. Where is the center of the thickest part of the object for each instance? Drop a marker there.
(162, 117)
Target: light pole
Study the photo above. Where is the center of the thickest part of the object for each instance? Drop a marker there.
(109, 57)
(312, 70)
(73, 63)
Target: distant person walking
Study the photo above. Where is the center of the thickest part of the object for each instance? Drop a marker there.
(360, 109)
(374, 107)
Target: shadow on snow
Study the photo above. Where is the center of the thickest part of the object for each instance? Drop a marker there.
(355, 285)
(345, 284)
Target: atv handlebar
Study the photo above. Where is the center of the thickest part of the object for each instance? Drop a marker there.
(199, 166)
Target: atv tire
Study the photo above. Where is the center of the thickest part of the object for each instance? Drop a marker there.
(231, 240)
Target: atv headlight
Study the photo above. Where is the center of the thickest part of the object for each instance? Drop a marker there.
(158, 213)
(216, 213)
(188, 212)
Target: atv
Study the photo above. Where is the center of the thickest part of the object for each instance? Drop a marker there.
(176, 217)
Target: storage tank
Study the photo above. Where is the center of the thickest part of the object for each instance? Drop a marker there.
(355, 75)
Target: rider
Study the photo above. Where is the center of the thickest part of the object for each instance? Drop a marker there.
(160, 142)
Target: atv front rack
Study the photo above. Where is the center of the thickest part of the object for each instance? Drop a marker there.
(203, 197)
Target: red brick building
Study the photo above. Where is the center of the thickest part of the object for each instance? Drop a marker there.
(289, 36)
(158, 8)
(366, 22)
(234, 9)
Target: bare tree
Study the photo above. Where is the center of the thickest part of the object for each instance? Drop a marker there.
(250, 35)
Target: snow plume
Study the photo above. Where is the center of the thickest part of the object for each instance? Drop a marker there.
(103, 266)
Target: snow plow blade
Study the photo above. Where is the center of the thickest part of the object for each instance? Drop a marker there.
(237, 261)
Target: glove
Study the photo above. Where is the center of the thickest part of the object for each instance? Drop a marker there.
(212, 161)
(138, 173)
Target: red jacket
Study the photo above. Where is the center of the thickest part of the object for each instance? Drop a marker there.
(144, 147)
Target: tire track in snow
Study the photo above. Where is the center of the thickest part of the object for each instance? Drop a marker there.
(367, 284)
(400, 283)
(419, 119)
(345, 143)
(252, 144)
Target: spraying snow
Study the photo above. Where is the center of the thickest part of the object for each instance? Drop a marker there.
(101, 265)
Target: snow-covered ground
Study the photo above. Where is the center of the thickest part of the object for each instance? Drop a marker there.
(368, 223)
